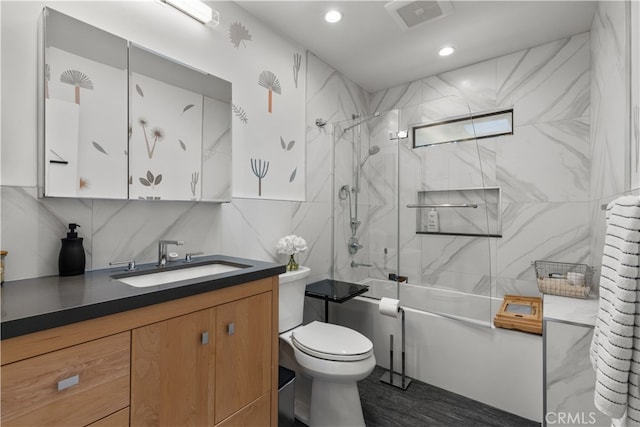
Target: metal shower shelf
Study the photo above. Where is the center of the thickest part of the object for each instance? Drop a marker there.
(444, 205)
(473, 211)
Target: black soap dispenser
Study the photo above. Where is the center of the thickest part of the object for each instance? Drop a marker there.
(71, 261)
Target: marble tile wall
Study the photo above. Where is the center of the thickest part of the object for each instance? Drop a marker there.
(543, 169)
(609, 90)
(112, 230)
(569, 377)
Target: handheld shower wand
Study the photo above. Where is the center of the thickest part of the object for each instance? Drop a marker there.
(345, 194)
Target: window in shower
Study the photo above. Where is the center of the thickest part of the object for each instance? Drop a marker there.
(477, 126)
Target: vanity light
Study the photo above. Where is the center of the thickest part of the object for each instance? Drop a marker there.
(333, 16)
(446, 51)
(196, 9)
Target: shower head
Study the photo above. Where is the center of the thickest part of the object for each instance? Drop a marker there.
(372, 152)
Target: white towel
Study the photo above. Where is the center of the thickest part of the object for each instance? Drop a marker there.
(615, 349)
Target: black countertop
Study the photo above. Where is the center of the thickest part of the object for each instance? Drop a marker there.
(32, 305)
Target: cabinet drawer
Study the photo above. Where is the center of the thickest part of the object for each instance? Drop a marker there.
(256, 414)
(73, 386)
(119, 419)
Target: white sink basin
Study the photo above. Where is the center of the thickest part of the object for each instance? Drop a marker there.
(169, 276)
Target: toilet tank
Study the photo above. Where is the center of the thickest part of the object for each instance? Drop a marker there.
(291, 298)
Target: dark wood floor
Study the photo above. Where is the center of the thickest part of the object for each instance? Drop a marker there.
(423, 405)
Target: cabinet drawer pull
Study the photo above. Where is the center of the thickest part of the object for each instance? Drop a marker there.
(204, 338)
(68, 382)
(231, 328)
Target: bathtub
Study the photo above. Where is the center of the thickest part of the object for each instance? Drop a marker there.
(476, 309)
(450, 345)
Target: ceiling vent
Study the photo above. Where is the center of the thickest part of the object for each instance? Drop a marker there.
(410, 14)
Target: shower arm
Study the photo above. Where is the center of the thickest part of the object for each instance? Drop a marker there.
(366, 119)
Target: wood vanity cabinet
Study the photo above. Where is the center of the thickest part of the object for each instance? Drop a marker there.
(201, 368)
(203, 360)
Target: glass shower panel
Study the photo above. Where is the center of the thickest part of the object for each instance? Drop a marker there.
(365, 199)
(380, 234)
(443, 196)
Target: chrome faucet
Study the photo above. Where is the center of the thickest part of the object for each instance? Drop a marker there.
(162, 250)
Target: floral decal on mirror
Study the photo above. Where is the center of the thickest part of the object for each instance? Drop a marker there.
(150, 180)
(84, 184)
(47, 77)
(187, 108)
(78, 80)
(99, 148)
(194, 182)
(156, 133)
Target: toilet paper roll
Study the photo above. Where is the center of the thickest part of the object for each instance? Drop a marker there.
(389, 307)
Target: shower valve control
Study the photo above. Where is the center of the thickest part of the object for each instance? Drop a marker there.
(354, 245)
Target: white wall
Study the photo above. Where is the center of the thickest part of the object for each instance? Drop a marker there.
(114, 230)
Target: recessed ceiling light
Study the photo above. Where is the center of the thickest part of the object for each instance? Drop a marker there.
(333, 16)
(446, 51)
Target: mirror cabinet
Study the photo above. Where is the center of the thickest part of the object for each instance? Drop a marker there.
(119, 121)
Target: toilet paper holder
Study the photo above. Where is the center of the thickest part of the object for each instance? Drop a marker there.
(391, 377)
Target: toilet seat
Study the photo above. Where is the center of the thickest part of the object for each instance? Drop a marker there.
(331, 342)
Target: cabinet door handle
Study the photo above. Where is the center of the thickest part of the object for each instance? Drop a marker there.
(231, 328)
(68, 382)
(204, 338)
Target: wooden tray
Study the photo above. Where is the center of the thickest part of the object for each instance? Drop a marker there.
(520, 313)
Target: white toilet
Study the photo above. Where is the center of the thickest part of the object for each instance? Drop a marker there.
(333, 356)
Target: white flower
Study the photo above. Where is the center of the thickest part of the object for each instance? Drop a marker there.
(291, 244)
